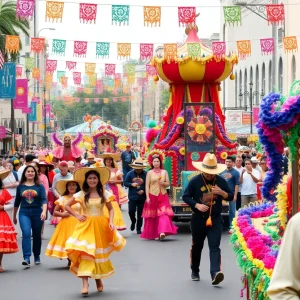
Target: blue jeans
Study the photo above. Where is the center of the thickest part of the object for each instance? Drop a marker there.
(232, 211)
(30, 221)
(125, 170)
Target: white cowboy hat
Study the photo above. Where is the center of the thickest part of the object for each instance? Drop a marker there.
(113, 156)
(209, 165)
(138, 164)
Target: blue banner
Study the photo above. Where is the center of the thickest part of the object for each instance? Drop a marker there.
(32, 117)
(8, 81)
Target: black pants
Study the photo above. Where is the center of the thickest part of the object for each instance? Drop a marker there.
(136, 207)
(238, 201)
(199, 232)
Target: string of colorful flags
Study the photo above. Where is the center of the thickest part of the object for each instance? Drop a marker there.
(120, 14)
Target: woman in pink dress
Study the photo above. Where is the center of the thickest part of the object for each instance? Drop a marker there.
(157, 211)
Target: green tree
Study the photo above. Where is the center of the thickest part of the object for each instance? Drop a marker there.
(11, 25)
(164, 99)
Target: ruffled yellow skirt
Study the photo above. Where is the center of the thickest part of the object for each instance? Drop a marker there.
(90, 246)
(118, 217)
(64, 229)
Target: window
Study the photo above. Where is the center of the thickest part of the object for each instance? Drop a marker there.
(263, 78)
(236, 90)
(293, 69)
(245, 87)
(280, 75)
(270, 77)
(257, 85)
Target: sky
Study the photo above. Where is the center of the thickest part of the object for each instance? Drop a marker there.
(103, 31)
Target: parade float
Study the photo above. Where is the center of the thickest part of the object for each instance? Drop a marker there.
(194, 121)
(259, 227)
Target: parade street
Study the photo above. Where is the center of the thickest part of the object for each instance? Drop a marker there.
(145, 270)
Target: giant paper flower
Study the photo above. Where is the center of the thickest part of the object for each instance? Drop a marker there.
(200, 129)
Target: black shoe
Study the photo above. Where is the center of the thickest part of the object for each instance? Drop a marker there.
(26, 262)
(132, 226)
(138, 231)
(195, 276)
(218, 278)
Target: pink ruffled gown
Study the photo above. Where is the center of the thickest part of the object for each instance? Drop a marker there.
(158, 213)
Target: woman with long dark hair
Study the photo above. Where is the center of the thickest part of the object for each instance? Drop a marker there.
(157, 211)
(56, 246)
(95, 236)
(31, 198)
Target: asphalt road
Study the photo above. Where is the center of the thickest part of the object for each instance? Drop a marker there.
(145, 270)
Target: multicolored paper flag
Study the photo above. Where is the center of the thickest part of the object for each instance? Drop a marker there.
(90, 68)
(110, 69)
(87, 12)
(19, 71)
(37, 45)
(170, 52)
(194, 50)
(36, 73)
(219, 50)
(232, 15)
(64, 81)
(152, 15)
(54, 11)
(120, 14)
(77, 78)
(60, 74)
(187, 16)
(290, 44)
(102, 50)
(267, 46)
(244, 48)
(150, 70)
(12, 43)
(275, 14)
(146, 51)
(124, 50)
(130, 69)
(80, 48)
(29, 63)
(59, 47)
(25, 9)
(51, 66)
(71, 65)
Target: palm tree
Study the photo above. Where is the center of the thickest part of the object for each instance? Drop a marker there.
(11, 25)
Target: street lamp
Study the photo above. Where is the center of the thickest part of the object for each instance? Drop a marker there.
(250, 95)
(27, 72)
(44, 89)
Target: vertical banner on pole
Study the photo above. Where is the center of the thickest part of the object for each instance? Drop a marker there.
(8, 81)
(199, 132)
(32, 117)
(21, 100)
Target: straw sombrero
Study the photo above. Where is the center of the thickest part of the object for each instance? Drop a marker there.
(90, 155)
(4, 173)
(61, 185)
(79, 175)
(114, 156)
(138, 164)
(209, 165)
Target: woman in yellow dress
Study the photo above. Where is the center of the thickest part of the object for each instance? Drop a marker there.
(114, 185)
(95, 236)
(56, 247)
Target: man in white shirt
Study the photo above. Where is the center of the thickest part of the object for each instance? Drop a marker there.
(63, 174)
(249, 179)
(28, 160)
(239, 168)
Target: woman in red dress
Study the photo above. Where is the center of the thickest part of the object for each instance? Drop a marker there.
(8, 235)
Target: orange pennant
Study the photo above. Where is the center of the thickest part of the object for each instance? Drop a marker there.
(36, 73)
(290, 44)
(170, 52)
(54, 11)
(152, 15)
(90, 68)
(124, 50)
(131, 79)
(49, 80)
(12, 43)
(244, 48)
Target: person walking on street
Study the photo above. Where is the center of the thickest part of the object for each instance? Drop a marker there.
(135, 181)
(239, 168)
(204, 194)
(249, 179)
(232, 176)
(127, 158)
